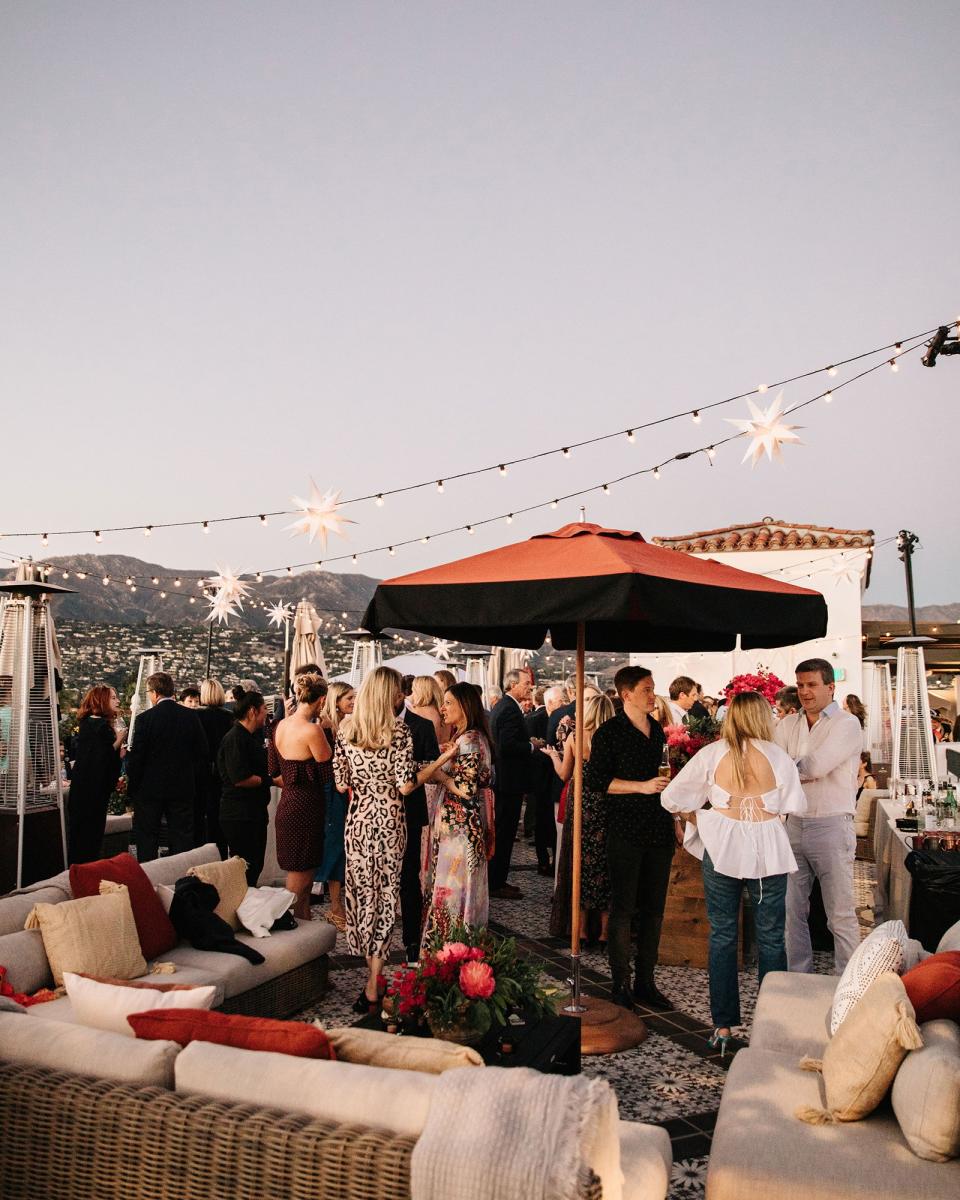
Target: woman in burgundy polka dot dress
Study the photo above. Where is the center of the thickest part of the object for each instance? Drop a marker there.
(300, 754)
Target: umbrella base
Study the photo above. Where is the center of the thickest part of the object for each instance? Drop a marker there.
(606, 1028)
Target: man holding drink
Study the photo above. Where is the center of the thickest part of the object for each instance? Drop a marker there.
(626, 757)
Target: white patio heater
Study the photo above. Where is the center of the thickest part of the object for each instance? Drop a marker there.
(31, 784)
(913, 759)
(367, 653)
(475, 671)
(151, 661)
(878, 699)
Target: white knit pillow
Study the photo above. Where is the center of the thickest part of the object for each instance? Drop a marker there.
(875, 955)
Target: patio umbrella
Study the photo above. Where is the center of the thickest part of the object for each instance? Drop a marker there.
(306, 646)
(608, 589)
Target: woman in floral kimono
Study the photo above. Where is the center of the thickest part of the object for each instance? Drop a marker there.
(461, 840)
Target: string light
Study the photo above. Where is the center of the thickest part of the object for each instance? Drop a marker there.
(695, 416)
(508, 519)
(154, 579)
(711, 452)
(193, 599)
(554, 503)
(354, 558)
(440, 486)
(656, 472)
(392, 551)
(97, 537)
(133, 587)
(831, 369)
(606, 489)
(503, 470)
(827, 397)
(105, 580)
(176, 582)
(128, 580)
(259, 577)
(163, 595)
(263, 520)
(44, 541)
(631, 437)
(894, 365)
(148, 531)
(470, 529)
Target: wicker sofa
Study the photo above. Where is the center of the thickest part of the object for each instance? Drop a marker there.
(760, 1151)
(293, 976)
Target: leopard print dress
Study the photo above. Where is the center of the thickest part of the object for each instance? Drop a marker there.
(374, 837)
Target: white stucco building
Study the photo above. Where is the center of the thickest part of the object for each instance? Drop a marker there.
(834, 562)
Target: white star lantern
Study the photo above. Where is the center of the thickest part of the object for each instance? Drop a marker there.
(221, 608)
(279, 614)
(320, 515)
(229, 584)
(767, 431)
(441, 649)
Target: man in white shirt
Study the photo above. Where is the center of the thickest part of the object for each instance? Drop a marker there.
(825, 743)
(684, 693)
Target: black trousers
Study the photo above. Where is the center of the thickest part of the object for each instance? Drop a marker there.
(639, 878)
(206, 813)
(248, 839)
(506, 819)
(148, 811)
(540, 804)
(87, 821)
(411, 895)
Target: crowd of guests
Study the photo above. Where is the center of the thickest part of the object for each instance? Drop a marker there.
(404, 797)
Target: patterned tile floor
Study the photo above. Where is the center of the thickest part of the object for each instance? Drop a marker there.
(674, 1078)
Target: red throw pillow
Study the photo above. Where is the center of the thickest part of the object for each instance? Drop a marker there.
(186, 1025)
(154, 928)
(934, 987)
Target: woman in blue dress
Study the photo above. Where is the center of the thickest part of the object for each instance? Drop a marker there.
(340, 699)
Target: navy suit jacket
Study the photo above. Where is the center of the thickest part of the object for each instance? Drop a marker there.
(512, 745)
(168, 754)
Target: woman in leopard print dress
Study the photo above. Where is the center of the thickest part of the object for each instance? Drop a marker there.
(374, 760)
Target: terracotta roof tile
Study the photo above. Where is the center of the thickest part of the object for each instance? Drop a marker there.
(768, 534)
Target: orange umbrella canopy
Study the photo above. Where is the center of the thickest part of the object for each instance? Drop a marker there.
(629, 593)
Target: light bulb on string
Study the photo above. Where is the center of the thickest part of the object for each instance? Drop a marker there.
(424, 540)
(259, 577)
(205, 526)
(631, 436)
(502, 469)
(508, 519)
(289, 570)
(379, 500)
(154, 579)
(761, 388)
(65, 575)
(353, 558)
(470, 529)
(898, 348)
(695, 416)
(128, 580)
(554, 503)
(894, 365)
(565, 452)
(133, 587)
(163, 595)
(827, 397)
(606, 489)
(831, 371)
(81, 574)
(44, 541)
(105, 580)
(193, 599)
(97, 536)
(391, 551)
(440, 486)
(148, 531)
(176, 582)
(711, 452)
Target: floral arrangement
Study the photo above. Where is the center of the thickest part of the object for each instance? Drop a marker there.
(465, 983)
(764, 682)
(117, 804)
(683, 741)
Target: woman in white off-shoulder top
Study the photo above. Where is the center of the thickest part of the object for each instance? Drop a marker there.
(750, 784)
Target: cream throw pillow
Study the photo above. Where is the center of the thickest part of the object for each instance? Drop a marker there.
(881, 951)
(230, 880)
(102, 1005)
(860, 1063)
(96, 935)
(926, 1093)
(377, 1049)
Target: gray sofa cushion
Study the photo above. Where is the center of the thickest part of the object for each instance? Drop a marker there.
(761, 1151)
(793, 1013)
(26, 961)
(16, 907)
(168, 870)
(282, 951)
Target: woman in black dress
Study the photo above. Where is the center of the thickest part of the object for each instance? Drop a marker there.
(300, 754)
(216, 722)
(96, 769)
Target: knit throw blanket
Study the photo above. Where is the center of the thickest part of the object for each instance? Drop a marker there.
(517, 1134)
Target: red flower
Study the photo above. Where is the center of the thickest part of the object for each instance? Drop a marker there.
(477, 981)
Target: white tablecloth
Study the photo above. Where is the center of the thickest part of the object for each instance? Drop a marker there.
(890, 848)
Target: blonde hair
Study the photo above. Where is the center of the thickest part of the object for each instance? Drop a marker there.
(310, 688)
(425, 691)
(371, 725)
(335, 693)
(212, 694)
(661, 711)
(596, 710)
(748, 716)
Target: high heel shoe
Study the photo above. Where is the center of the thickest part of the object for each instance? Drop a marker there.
(363, 1004)
(719, 1040)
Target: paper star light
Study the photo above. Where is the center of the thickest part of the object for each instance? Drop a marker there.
(229, 584)
(441, 649)
(320, 515)
(221, 608)
(279, 614)
(767, 431)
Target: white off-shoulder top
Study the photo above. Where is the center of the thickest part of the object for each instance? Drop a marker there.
(742, 849)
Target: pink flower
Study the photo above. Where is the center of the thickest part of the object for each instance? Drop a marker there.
(477, 981)
(453, 952)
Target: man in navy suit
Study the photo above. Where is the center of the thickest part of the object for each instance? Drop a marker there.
(513, 757)
(169, 751)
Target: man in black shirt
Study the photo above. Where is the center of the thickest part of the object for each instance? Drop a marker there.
(242, 763)
(624, 763)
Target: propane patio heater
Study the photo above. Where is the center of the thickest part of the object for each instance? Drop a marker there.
(31, 782)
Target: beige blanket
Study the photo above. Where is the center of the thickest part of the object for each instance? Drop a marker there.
(516, 1134)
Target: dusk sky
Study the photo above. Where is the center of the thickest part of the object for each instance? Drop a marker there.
(377, 243)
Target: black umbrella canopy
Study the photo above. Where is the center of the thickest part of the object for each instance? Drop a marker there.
(628, 593)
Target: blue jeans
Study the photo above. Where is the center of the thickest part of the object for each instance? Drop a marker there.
(723, 908)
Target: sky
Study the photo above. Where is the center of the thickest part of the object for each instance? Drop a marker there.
(371, 244)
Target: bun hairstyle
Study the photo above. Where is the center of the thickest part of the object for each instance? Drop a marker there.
(310, 689)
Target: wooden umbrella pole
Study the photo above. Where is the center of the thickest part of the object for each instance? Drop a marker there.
(575, 1006)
